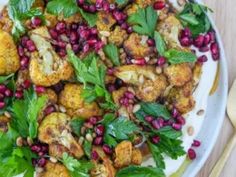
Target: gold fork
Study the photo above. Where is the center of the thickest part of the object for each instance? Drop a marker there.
(231, 110)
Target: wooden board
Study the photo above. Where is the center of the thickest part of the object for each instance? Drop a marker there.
(225, 18)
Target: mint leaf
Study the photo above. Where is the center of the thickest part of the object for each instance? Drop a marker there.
(112, 53)
(25, 113)
(160, 43)
(76, 167)
(5, 78)
(177, 57)
(139, 171)
(156, 110)
(144, 21)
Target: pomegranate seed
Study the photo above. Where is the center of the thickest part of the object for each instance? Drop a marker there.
(2, 97)
(86, 7)
(40, 154)
(98, 140)
(2, 104)
(62, 53)
(20, 51)
(74, 26)
(180, 119)
(24, 40)
(93, 31)
(112, 7)
(140, 61)
(34, 162)
(61, 44)
(161, 121)
(85, 48)
(204, 49)
(92, 8)
(111, 88)
(149, 119)
(196, 143)
(40, 89)
(176, 126)
(212, 36)
(94, 155)
(61, 27)
(129, 95)
(124, 26)
(36, 21)
(106, 6)
(186, 33)
(124, 101)
(110, 71)
(129, 30)
(207, 39)
(80, 2)
(24, 62)
(202, 59)
(53, 33)
(48, 110)
(198, 42)
(30, 46)
(91, 42)
(107, 149)
(45, 148)
(8, 93)
(19, 94)
(26, 84)
(155, 124)
(215, 51)
(174, 113)
(84, 34)
(185, 41)
(76, 48)
(117, 15)
(42, 162)
(2, 88)
(191, 154)
(93, 120)
(100, 130)
(158, 5)
(150, 42)
(98, 45)
(35, 148)
(156, 139)
(161, 61)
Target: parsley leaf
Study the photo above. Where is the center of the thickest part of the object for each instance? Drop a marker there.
(92, 76)
(122, 3)
(176, 57)
(76, 125)
(194, 16)
(87, 146)
(139, 171)
(76, 168)
(5, 78)
(160, 43)
(117, 129)
(20, 10)
(112, 53)
(25, 113)
(157, 156)
(144, 21)
(68, 8)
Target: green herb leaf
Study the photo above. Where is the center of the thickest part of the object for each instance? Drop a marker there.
(90, 18)
(157, 156)
(112, 53)
(76, 167)
(156, 110)
(169, 132)
(92, 76)
(5, 78)
(76, 125)
(25, 113)
(118, 129)
(139, 171)
(160, 43)
(177, 57)
(144, 21)
(87, 146)
(189, 18)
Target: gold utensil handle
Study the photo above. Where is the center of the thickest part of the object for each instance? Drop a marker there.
(224, 157)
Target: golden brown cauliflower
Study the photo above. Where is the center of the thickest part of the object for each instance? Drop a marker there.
(123, 152)
(138, 4)
(170, 29)
(137, 48)
(118, 36)
(4, 123)
(54, 170)
(105, 21)
(9, 59)
(137, 157)
(47, 68)
(179, 74)
(51, 95)
(55, 129)
(57, 150)
(71, 99)
(151, 90)
(5, 22)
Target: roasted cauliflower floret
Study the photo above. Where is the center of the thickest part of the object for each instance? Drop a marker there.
(179, 74)
(117, 94)
(105, 21)
(151, 90)
(55, 129)
(123, 152)
(5, 22)
(51, 95)
(118, 36)
(9, 59)
(54, 170)
(47, 68)
(137, 157)
(170, 29)
(137, 48)
(71, 99)
(133, 74)
(57, 150)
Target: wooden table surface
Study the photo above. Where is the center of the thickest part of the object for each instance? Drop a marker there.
(225, 18)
